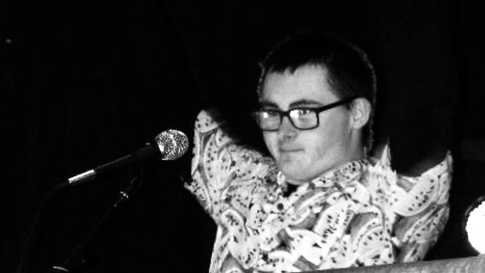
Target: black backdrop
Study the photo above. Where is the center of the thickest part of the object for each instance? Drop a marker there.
(86, 82)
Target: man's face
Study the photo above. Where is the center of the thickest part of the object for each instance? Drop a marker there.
(303, 155)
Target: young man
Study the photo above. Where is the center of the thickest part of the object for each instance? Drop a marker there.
(318, 202)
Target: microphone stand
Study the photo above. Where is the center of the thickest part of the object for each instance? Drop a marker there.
(77, 260)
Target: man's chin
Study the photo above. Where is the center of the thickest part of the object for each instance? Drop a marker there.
(295, 176)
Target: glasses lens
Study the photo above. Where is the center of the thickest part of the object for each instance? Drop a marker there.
(268, 119)
(304, 118)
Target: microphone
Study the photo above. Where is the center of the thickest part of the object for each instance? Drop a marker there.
(169, 145)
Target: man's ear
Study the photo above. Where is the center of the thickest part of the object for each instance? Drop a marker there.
(361, 110)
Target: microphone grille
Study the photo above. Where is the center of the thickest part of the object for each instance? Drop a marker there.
(172, 143)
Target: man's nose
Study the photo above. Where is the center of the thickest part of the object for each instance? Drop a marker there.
(287, 130)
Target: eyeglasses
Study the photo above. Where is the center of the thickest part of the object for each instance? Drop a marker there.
(302, 118)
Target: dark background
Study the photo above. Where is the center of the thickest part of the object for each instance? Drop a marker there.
(85, 82)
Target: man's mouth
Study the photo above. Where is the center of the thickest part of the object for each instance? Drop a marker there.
(289, 150)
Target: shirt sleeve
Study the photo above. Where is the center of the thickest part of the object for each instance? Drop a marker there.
(218, 162)
(418, 205)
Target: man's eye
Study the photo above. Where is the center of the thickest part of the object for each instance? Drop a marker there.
(302, 112)
(269, 113)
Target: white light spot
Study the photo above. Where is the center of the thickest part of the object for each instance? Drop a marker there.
(475, 227)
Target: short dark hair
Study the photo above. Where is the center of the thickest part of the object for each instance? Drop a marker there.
(348, 68)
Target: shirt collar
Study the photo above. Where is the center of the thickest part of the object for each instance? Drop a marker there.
(341, 175)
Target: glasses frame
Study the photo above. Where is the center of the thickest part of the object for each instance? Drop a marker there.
(316, 110)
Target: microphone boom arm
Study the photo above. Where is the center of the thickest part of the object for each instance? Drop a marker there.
(77, 259)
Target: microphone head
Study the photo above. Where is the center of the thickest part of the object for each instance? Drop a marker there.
(172, 143)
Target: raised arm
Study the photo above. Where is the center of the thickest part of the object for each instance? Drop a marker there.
(219, 162)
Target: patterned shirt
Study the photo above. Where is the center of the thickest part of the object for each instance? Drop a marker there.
(359, 214)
